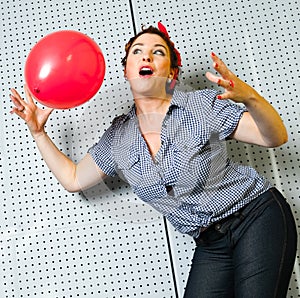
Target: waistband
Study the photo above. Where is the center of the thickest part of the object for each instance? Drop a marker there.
(222, 226)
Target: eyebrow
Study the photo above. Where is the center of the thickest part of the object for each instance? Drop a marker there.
(156, 45)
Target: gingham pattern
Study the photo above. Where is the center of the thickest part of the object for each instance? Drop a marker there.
(191, 181)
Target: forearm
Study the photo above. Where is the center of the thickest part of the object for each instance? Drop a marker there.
(59, 164)
(267, 120)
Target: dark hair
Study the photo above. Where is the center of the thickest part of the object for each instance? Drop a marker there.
(153, 30)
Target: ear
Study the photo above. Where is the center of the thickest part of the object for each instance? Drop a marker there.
(172, 73)
(173, 76)
(125, 75)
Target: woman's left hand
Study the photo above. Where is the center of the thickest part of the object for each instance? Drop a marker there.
(235, 88)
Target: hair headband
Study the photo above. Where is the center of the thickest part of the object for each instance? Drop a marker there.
(163, 29)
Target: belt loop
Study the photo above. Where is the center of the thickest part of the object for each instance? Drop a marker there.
(239, 214)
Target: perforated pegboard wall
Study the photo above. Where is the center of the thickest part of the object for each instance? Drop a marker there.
(104, 242)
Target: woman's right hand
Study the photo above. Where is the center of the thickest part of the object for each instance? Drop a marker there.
(34, 117)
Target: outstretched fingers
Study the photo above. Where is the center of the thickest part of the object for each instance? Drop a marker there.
(221, 67)
(226, 78)
(235, 89)
(19, 103)
(28, 95)
(228, 85)
(212, 77)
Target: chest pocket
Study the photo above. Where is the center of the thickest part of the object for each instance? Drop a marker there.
(191, 147)
(199, 160)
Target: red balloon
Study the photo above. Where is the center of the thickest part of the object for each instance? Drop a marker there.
(64, 69)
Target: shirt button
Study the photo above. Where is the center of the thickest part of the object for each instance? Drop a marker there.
(217, 227)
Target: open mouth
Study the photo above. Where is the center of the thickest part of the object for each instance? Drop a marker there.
(145, 71)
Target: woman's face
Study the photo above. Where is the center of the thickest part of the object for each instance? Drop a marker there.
(148, 64)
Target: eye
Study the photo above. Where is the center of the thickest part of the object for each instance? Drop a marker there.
(136, 51)
(159, 52)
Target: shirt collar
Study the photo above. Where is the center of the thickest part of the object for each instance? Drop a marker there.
(179, 99)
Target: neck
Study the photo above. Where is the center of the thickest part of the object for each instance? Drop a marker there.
(150, 105)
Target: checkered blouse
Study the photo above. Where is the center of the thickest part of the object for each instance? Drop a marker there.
(191, 180)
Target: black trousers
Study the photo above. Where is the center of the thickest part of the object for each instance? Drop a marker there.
(249, 254)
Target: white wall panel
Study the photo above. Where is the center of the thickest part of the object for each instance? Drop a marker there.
(104, 242)
(259, 41)
(101, 243)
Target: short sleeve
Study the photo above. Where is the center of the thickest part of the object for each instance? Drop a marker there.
(101, 152)
(223, 115)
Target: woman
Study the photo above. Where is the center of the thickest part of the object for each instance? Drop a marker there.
(170, 149)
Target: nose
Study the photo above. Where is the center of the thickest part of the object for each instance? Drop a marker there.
(147, 56)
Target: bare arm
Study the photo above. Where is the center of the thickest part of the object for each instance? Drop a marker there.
(261, 125)
(73, 177)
